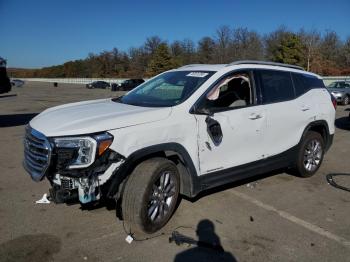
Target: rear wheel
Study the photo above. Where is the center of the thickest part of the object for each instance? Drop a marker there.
(310, 155)
(150, 196)
(346, 100)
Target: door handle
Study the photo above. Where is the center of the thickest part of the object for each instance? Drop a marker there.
(254, 116)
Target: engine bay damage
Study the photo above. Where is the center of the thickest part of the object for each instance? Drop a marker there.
(87, 185)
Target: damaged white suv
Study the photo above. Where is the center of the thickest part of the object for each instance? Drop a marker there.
(181, 132)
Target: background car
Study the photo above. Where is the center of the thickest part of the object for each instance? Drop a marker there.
(98, 84)
(127, 85)
(17, 82)
(341, 91)
(5, 85)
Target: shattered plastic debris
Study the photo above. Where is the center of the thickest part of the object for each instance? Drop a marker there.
(252, 185)
(43, 200)
(129, 239)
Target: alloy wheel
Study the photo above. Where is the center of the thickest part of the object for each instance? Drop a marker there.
(162, 197)
(312, 155)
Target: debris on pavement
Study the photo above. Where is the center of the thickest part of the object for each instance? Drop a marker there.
(43, 200)
(252, 185)
(180, 239)
(129, 239)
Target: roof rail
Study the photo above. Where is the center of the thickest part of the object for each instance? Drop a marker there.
(191, 65)
(242, 62)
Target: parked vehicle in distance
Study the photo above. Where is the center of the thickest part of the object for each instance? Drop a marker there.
(341, 91)
(127, 85)
(5, 85)
(98, 84)
(182, 132)
(17, 82)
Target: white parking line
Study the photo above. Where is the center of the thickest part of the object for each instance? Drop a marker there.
(298, 221)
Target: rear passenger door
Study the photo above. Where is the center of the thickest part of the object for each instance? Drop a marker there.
(283, 112)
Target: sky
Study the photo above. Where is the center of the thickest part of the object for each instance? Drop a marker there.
(37, 33)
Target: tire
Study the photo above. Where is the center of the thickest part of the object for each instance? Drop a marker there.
(144, 204)
(346, 100)
(308, 160)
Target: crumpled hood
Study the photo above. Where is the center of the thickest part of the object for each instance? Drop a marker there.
(94, 116)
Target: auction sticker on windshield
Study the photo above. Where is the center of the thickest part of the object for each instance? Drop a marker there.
(197, 74)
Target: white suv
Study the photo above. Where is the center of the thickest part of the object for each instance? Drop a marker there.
(181, 132)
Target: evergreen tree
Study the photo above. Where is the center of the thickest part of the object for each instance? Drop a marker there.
(161, 61)
(289, 50)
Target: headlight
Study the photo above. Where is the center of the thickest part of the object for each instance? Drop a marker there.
(80, 152)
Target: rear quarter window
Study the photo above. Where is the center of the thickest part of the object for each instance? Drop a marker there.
(304, 83)
(276, 86)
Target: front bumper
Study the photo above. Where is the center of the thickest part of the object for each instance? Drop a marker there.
(85, 189)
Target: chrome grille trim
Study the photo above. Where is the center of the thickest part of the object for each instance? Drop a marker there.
(37, 153)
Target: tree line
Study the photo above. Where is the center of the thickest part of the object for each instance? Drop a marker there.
(323, 53)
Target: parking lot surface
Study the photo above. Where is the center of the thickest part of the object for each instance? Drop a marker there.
(274, 217)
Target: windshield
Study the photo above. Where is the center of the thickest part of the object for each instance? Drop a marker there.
(168, 89)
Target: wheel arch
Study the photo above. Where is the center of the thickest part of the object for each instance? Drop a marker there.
(321, 127)
(172, 151)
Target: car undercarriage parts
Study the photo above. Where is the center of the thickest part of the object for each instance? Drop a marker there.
(59, 195)
(67, 189)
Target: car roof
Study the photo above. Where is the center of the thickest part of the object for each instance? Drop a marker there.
(246, 64)
(201, 67)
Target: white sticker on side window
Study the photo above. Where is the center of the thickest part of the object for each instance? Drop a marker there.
(197, 74)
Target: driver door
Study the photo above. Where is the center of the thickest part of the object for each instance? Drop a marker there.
(230, 134)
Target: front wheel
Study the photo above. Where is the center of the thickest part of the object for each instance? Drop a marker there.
(310, 155)
(346, 100)
(150, 196)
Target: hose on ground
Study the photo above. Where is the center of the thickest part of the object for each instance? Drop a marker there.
(331, 181)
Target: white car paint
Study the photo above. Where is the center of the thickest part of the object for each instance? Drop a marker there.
(242, 141)
(94, 116)
(245, 139)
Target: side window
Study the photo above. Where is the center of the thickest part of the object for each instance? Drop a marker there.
(303, 83)
(232, 91)
(313, 82)
(276, 86)
(300, 85)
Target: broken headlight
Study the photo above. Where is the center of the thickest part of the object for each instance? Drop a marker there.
(80, 152)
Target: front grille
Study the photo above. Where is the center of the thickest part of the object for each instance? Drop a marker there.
(37, 153)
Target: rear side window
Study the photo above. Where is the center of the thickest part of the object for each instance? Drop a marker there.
(276, 86)
(303, 83)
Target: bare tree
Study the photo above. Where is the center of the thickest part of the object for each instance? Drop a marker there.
(206, 48)
(152, 43)
(223, 39)
(246, 45)
(311, 43)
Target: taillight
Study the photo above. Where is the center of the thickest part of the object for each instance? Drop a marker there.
(334, 101)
